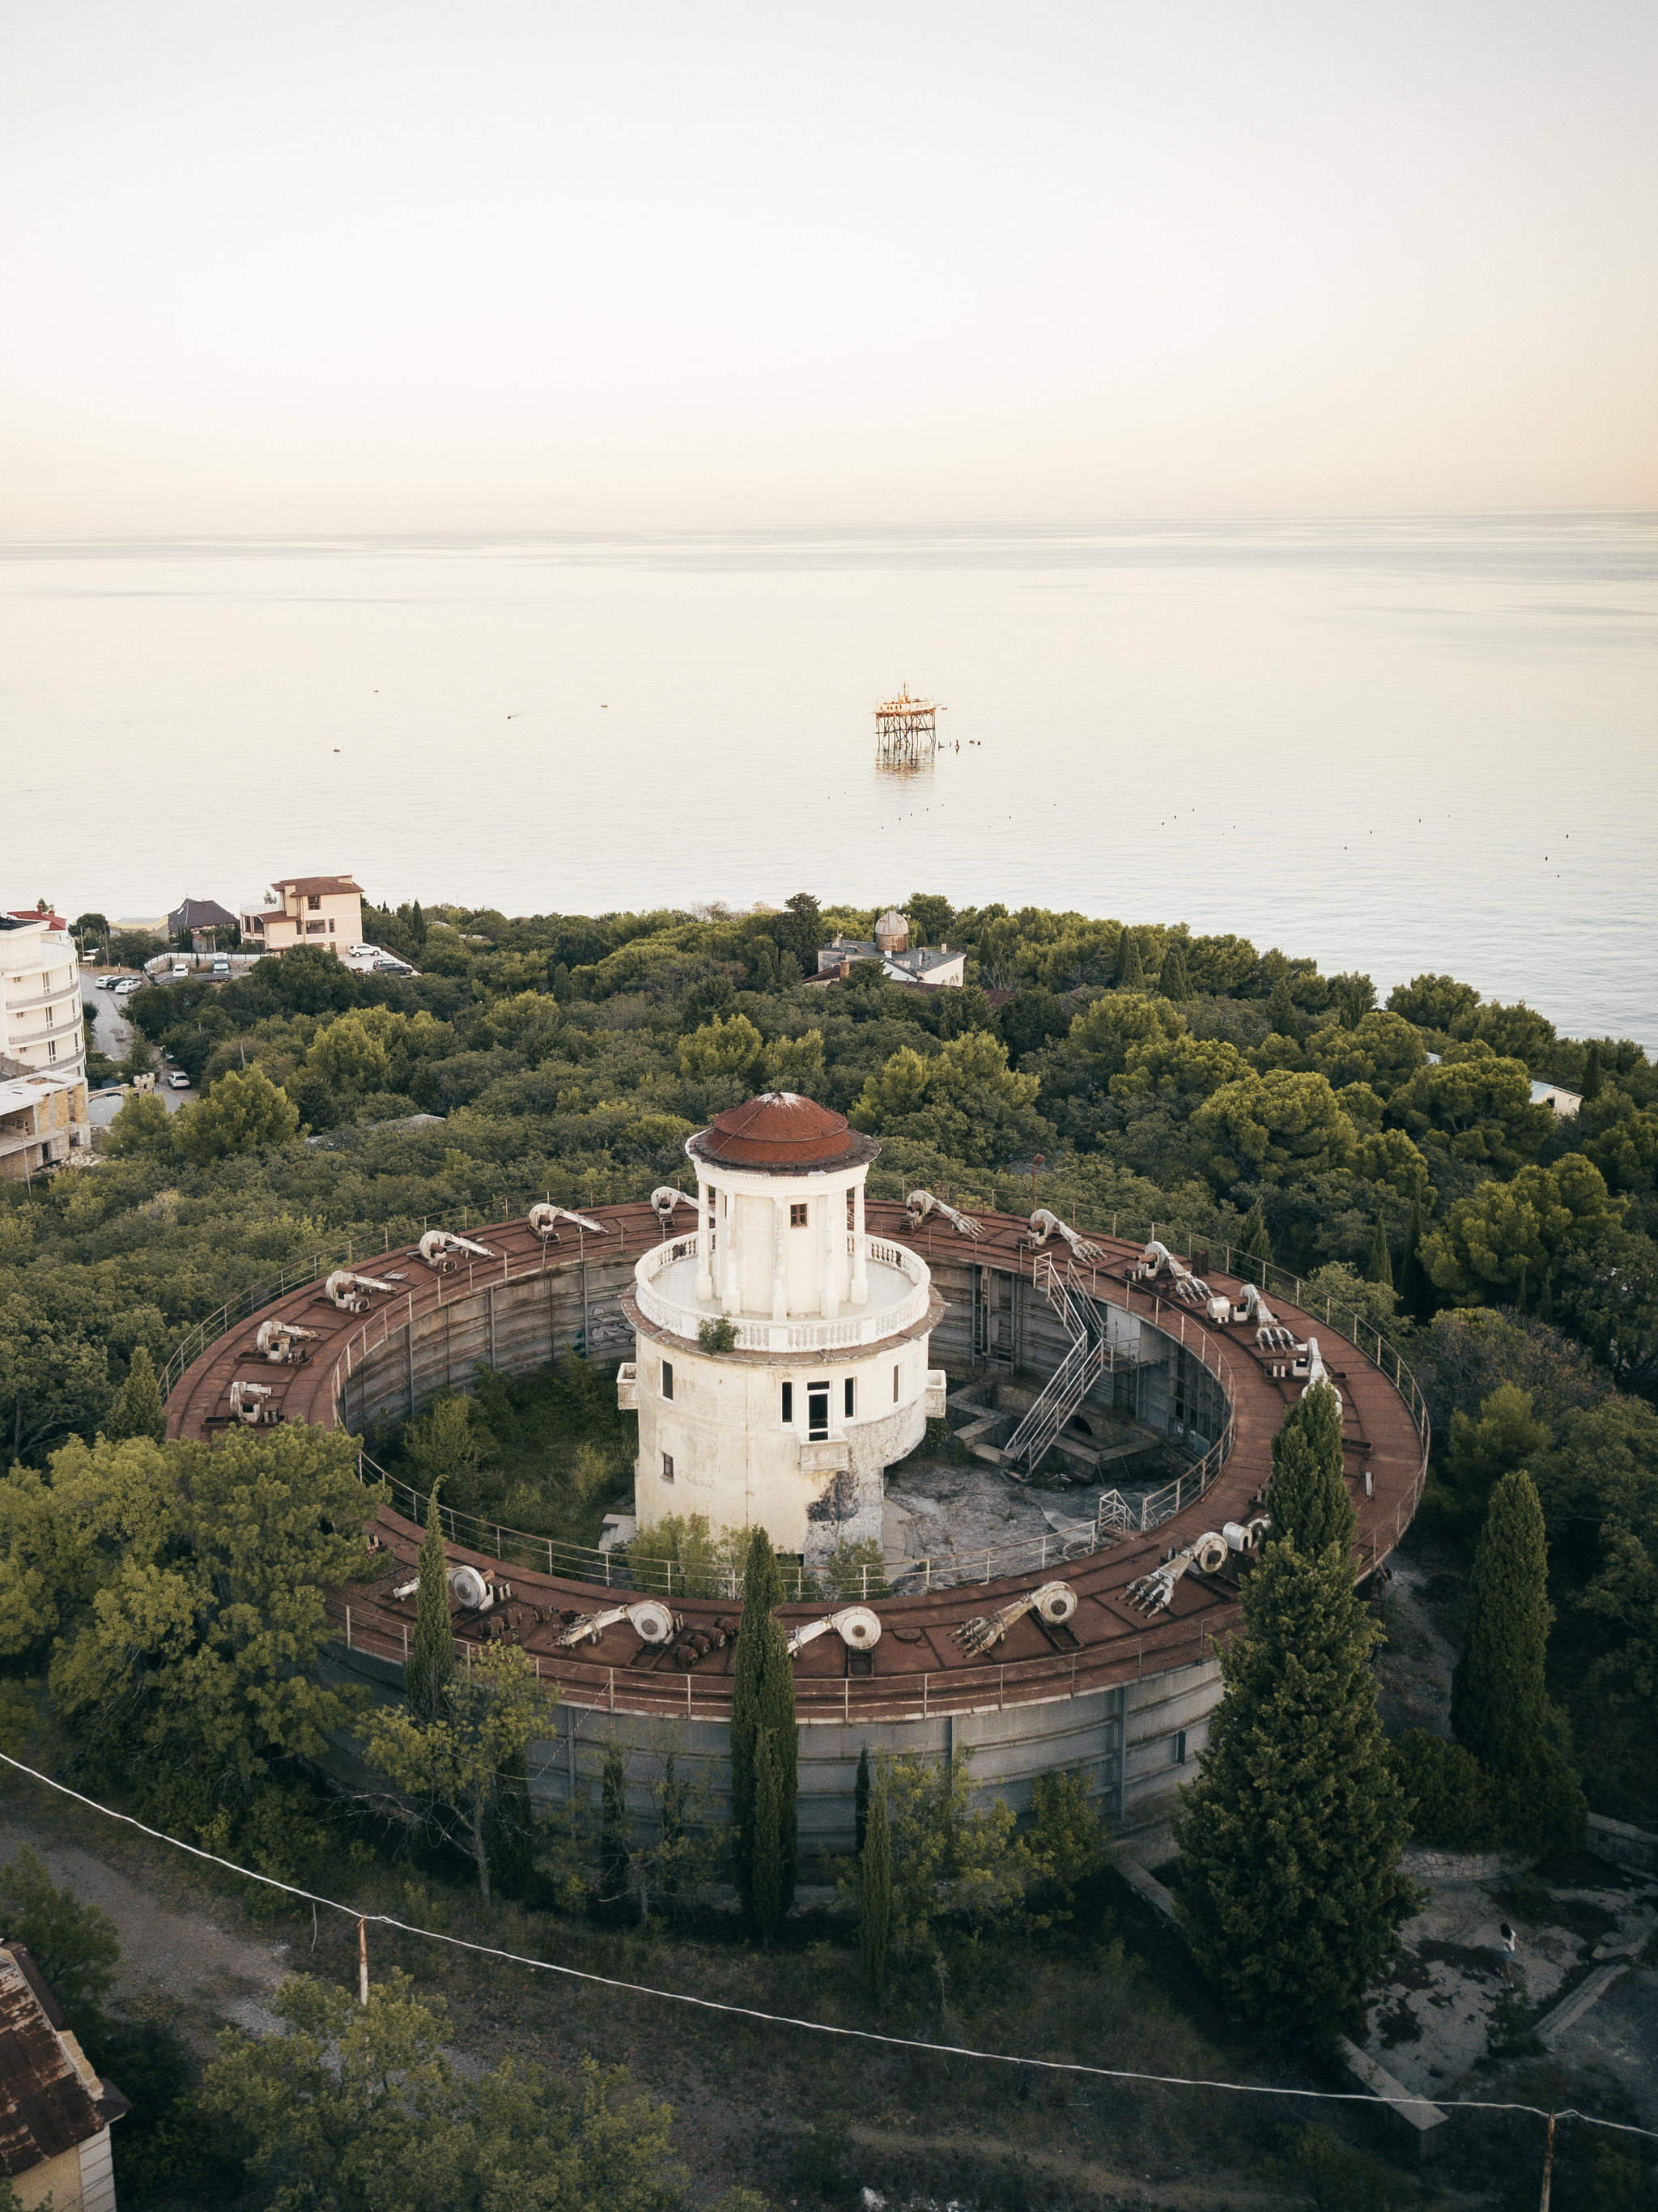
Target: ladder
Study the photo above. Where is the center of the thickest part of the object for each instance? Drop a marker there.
(1071, 1380)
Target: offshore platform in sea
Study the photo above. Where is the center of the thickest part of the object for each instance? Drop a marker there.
(907, 730)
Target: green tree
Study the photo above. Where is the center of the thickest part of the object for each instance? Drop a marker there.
(861, 1802)
(800, 931)
(729, 1050)
(1382, 1050)
(1506, 1437)
(1173, 982)
(1480, 1103)
(1594, 1080)
(1280, 1126)
(1353, 996)
(930, 917)
(143, 1125)
(1307, 1496)
(431, 1668)
(242, 1113)
(1505, 1234)
(1065, 1846)
(1498, 1702)
(1436, 1002)
(763, 1698)
(1255, 1252)
(449, 1439)
(74, 1946)
(512, 1839)
(192, 1579)
(1416, 1295)
(448, 1774)
(1131, 968)
(796, 1064)
(1380, 1267)
(358, 2109)
(950, 1859)
(767, 1858)
(1290, 1890)
(138, 1410)
(875, 1889)
(1281, 1011)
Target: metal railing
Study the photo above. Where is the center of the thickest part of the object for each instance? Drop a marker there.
(826, 1702)
(760, 1333)
(350, 1252)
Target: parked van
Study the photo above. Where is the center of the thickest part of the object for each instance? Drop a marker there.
(221, 966)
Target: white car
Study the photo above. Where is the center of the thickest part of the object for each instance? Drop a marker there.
(180, 972)
(364, 952)
(129, 983)
(178, 1080)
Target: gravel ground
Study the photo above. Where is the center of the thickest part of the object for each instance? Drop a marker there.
(187, 1967)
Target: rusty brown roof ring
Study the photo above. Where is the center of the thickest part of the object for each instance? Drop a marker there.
(780, 1133)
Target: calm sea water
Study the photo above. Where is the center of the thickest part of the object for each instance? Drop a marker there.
(1395, 745)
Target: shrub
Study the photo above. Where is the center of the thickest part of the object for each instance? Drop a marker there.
(717, 1336)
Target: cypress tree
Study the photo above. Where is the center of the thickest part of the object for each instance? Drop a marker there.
(1380, 1269)
(762, 1697)
(614, 1835)
(1307, 1496)
(1416, 1293)
(874, 1890)
(512, 1831)
(1131, 970)
(1291, 1889)
(139, 1410)
(1174, 982)
(1281, 1011)
(431, 1667)
(861, 1802)
(1256, 1246)
(767, 1862)
(1545, 1298)
(1592, 1077)
(1497, 1701)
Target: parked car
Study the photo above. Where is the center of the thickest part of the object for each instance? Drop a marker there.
(366, 952)
(221, 966)
(178, 1080)
(108, 982)
(128, 984)
(391, 967)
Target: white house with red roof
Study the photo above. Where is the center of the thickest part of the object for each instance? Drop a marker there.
(322, 911)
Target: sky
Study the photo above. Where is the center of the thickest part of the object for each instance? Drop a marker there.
(406, 268)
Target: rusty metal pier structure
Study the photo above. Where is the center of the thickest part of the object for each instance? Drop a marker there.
(906, 731)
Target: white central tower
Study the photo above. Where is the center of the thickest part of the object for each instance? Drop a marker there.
(827, 1384)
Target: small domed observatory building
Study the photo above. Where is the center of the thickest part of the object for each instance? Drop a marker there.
(827, 1382)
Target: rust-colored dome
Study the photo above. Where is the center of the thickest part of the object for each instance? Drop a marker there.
(781, 1133)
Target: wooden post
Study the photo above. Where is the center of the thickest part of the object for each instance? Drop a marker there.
(1548, 2165)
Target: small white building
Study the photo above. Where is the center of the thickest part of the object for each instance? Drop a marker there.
(1563, 1103)
(55, 2112)
(827, 1380)
(935, 966)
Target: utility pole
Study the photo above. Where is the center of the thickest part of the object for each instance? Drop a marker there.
(1548, 2165)
(362, 1985)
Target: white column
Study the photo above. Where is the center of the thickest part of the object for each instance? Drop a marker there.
(828, 1282)
(732, 1298)
(780, 1281)
(859, 1250)
(704, 1259)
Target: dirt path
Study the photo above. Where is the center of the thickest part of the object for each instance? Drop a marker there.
(186, 1967)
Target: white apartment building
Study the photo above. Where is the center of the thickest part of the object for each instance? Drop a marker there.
(41, 1018)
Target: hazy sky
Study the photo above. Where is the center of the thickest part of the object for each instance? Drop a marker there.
(364, 266)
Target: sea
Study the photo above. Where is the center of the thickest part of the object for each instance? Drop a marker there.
(1394, 745)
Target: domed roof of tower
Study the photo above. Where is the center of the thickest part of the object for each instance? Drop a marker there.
(892, 932)
(781, 1133)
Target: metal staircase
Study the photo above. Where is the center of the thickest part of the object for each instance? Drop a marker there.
(1089, 1353)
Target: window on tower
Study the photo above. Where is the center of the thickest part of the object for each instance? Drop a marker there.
(851, 1395)
(667, 1467)
(667, 1378)
(798, 1216)
(788, 1403)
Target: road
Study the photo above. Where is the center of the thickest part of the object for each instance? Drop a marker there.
(113, 1032)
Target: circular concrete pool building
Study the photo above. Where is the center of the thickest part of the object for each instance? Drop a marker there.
(785, 1339)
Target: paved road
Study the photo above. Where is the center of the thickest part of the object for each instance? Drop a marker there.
(113, 1033)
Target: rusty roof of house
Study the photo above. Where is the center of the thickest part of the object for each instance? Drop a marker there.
(780, 1133)
(46, 2106)
(315, 886)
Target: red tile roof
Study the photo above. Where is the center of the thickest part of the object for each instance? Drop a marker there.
(315, 886)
